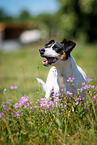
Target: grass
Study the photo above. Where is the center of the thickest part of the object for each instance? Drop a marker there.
(34, 124)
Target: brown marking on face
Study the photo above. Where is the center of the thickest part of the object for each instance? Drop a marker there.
(63, 56)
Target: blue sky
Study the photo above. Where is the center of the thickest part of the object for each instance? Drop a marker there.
(35, 7)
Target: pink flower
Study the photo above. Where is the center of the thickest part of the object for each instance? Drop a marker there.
(94, 97)
(92, 87)
(17, 105)
(76, 103)
(1, 114)
(13, 87)
(70, 79)
(17, 114)
(69, 93)
(57, 114)
(5, 90)
(31, 108)
(89, 80)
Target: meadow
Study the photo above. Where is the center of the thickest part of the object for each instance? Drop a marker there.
(26, 118)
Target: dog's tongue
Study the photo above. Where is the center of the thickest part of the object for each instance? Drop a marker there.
(45, 62)
(48, 61)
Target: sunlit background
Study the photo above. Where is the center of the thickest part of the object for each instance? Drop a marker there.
(26, 25)
(32, 20)
(26, 118)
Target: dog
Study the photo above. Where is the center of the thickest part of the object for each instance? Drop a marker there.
(58, 55)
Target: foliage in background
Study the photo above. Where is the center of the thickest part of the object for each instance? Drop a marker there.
(75, 19)
(78, 18)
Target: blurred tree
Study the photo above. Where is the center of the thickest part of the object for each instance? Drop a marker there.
(24, 16)
(78, 18)
(49, 23)
(4, 17)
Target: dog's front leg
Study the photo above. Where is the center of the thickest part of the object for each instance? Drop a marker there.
(52, 82)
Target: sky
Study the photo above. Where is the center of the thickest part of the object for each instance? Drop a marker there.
(34, 7)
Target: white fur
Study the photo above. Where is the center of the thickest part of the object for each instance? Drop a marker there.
(63, 69)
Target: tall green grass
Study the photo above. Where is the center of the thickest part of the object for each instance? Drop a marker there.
(33, 124)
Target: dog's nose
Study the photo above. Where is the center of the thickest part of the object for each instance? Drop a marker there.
(42, 50)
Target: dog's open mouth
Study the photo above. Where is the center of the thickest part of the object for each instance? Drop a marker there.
(49, 61)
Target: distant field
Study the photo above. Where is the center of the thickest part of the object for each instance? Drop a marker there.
(23, 66)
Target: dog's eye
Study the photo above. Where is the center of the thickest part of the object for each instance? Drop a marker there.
(58, 50)
(55, 48)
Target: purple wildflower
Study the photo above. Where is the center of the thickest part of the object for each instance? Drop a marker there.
(51, 103)
(94, 97)
(69, 93)
(17, 114)
(77, 98)
(76, 103)
(5, 90)
(13, 113)
(24, 99)
(13, 87)
(51, 91)
(6, 109)
(17, 105)
(36, 106)
(57, 114)
(70, 79)
(61, 89)
(56, 99)
(4, 105)
(26, 104)
(9, 100)
(31, 108)
(1, 114)
(89, 80)
(43, 99)
(61, 104)
(92, 87)
(87, 86)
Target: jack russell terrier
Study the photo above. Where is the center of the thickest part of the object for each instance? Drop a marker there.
(58, 56)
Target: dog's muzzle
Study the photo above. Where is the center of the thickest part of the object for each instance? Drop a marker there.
(49, 60)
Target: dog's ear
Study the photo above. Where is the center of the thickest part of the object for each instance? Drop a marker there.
(49, 43)
(68, 45)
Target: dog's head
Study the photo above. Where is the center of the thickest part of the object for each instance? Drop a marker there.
(56, 51)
